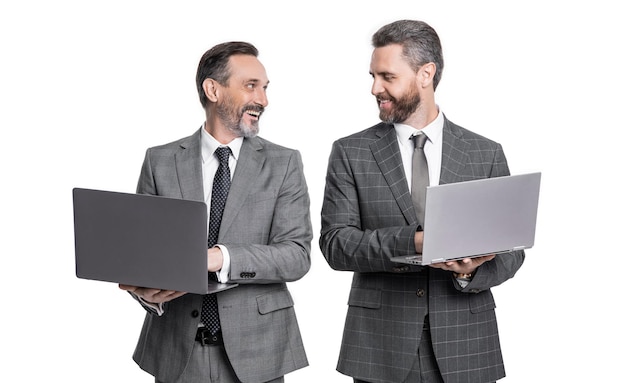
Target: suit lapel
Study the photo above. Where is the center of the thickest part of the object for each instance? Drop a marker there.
(249, 164)
(454, 156)
(387, 154)
(189, 168)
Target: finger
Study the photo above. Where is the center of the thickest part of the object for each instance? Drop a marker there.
(167, 293)
(177, 294)
(150, 294)
(127, 287)
(479, 261)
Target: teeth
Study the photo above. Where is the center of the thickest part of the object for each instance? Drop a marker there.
(254, 113)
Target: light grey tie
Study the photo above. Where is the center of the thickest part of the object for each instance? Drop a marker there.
(420, 179)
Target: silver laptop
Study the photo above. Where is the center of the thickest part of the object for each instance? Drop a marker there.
(480, 217)
(142, 240)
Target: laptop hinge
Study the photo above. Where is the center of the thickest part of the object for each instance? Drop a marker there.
(519, 248)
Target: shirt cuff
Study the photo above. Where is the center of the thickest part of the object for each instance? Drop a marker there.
(463, 282)
(222, 275)
(156, 307)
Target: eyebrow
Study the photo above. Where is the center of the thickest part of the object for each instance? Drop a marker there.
(256, 81)
(384, 73)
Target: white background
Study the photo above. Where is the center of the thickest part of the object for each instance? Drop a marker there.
(87, 86)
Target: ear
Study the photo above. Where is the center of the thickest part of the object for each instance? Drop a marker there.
(426, 74)
(211, 89)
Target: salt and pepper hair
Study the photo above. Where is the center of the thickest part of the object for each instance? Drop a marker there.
(420, 44)
(214, 64)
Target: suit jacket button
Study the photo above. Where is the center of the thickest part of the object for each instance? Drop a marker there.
(420, 293)
(195, 313)
(247, 275)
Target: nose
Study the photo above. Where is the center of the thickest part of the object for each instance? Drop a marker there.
(261, 97)
(376, 87)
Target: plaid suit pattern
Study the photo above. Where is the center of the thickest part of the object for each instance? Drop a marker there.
(368, 217)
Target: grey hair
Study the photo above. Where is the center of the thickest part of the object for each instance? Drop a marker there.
(420, 44)
(214, 64)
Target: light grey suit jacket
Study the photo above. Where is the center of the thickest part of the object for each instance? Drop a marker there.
(267, 230)
(368, 217)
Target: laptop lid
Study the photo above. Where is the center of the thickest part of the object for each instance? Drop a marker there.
(479, 217)
(141, 240)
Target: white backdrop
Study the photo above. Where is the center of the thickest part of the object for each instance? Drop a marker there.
(87, 86)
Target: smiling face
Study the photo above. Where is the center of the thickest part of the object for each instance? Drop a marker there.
(396, 86)
(243, 99)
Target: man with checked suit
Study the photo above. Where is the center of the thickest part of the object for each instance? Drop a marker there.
(264, 237)
(410, 323)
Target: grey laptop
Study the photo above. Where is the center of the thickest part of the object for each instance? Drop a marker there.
(142, 240)
(480, 217)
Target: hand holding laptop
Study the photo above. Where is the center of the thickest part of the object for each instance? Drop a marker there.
(461, 266)
(155, 296)
(475, 218)
(152, 245)
(465, 265)
(215, 261)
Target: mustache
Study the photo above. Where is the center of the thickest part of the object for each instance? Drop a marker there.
(381, 97)
(253, 108)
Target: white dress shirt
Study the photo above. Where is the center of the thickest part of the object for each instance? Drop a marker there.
(210, 164)
(432, 148)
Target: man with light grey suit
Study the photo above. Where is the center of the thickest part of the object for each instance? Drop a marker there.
(410, 323)
(262, 236)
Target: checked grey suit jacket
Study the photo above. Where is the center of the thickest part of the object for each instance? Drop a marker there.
(368, 217)
(267, 229)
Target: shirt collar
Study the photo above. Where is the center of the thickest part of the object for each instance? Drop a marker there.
(433, 130)
(210, 144)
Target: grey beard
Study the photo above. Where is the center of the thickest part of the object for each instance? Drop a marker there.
(241, 130)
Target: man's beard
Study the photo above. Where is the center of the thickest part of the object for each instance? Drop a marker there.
(402, 108)
(233, 118)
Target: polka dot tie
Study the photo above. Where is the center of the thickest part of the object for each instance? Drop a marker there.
(221, 185)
